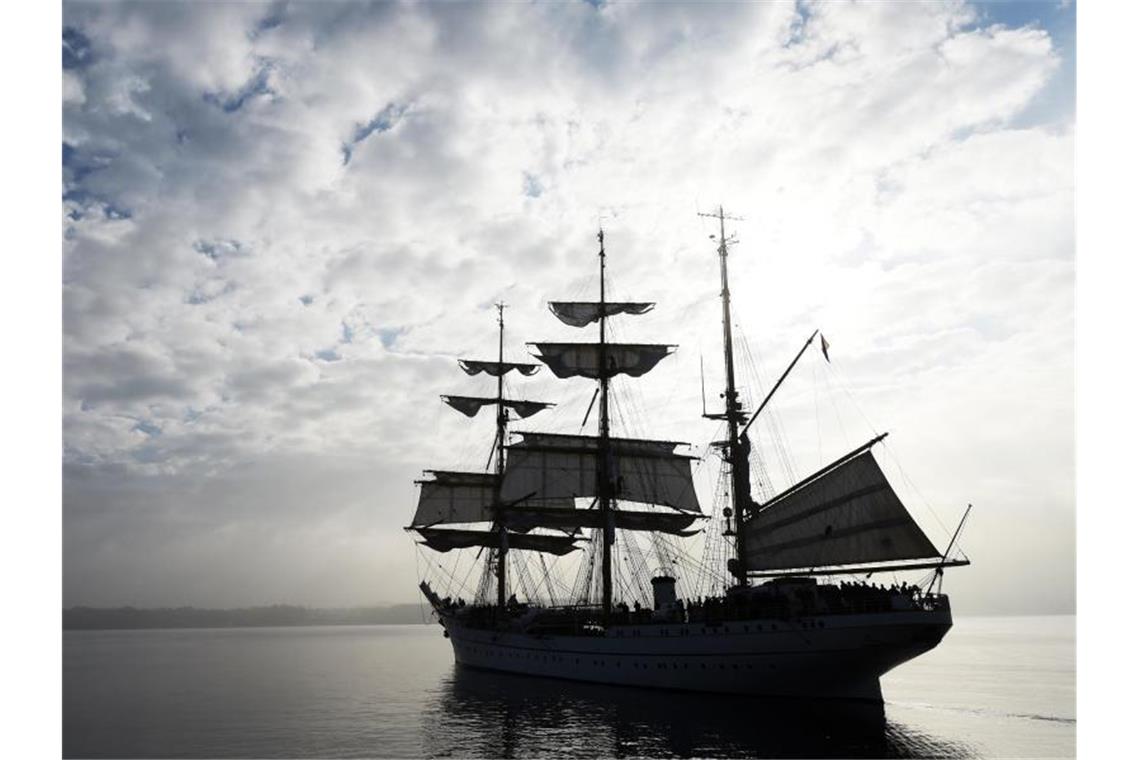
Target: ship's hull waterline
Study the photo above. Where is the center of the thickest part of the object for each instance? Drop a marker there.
(826, 656)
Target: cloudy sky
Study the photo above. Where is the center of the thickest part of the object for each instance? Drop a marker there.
(283, 222)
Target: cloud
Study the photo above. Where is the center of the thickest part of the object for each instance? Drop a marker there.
(283, 222)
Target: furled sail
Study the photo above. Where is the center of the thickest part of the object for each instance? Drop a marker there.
(528, 518)
(582, 313)
(455, 497)
(582, 359)
(846, 514)
(470, 405)
(546, 466)
(526, 409)
(496, 369)
(446, 539)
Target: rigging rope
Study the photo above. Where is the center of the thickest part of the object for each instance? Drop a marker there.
(776, 437)
(420, 575)
(622, 581)
(845, 387)
(450, 576)
(522, 575)
(639, 568)
(546, 578)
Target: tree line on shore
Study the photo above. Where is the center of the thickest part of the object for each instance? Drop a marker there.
(111, 618)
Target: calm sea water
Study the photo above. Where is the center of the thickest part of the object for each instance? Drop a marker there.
(996, 687)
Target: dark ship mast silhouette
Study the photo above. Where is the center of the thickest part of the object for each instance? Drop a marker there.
(790, 635)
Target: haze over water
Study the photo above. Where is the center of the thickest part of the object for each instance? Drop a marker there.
(996, 687)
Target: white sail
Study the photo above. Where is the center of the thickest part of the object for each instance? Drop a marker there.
(546, 466)
(455, 497)
(583, 359)
(846, 515)
(582, 313)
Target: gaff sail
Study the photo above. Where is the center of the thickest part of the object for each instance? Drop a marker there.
(582, 313)
(846, 514)
(584, 359)
(547, 466)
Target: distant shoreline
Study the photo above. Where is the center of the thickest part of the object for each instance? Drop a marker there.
(277, 615)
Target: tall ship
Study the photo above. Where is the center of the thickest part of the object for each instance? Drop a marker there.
(779, 604)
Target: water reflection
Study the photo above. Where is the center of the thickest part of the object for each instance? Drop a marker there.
(485, 714)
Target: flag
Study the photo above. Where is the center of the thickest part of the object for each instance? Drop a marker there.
(824, 345)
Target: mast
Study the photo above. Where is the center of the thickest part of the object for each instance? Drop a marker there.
(604, 481)
(451, 497)
(596, 460)
(500, 441)
(735, 452)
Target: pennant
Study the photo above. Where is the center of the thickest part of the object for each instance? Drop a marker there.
(824, 345)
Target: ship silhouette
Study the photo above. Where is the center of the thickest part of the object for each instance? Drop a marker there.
(782, 622)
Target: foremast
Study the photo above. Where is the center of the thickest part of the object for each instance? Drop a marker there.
(477, 497)
(605, 477)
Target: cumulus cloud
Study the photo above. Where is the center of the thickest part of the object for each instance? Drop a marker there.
(282, 223)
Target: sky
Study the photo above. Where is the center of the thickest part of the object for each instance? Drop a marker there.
(282, 223)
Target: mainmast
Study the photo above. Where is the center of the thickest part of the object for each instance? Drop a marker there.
(735, 449)
(500, 443)
(600, 467)
(604, 476)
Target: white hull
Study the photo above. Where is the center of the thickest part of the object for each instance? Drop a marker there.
(830, 656)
